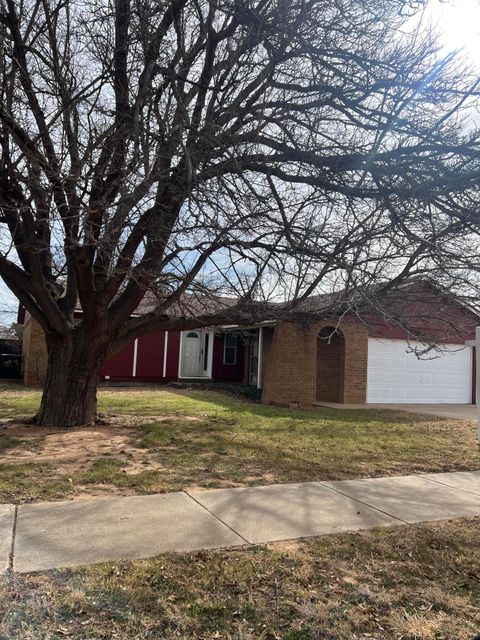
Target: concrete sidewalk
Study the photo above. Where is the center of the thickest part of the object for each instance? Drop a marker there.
(35, 537)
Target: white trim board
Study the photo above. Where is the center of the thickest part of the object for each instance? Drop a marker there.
(135, 357)
(165, 354)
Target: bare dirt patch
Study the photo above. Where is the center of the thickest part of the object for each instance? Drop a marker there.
(72, 451)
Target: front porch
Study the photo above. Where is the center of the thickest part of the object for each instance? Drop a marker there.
(224, 355)
(292, 365)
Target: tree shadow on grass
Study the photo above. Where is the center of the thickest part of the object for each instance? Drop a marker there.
(282, 453)
(246, 407)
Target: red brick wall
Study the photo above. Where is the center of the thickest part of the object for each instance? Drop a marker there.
(356, 356)
(291, 374)
(330, 366)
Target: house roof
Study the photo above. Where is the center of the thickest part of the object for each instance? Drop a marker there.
(418, 310)
(190, 304)
(343, 302)
(364, 298)
(359, 302)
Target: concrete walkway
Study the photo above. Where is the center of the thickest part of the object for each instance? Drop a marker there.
(35, 537)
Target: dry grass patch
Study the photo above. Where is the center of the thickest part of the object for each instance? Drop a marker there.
(404, 583)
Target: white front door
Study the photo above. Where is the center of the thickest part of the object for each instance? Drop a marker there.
(196, 354)
(192, 354)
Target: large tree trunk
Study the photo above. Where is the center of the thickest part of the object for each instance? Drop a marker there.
(70, 392)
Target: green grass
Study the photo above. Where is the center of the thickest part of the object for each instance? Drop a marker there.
(214, 440)
(32, 483)
(17, 401)
(106, 471)
(8, 443)
(323, 443)
(417, 582)
(235, 438)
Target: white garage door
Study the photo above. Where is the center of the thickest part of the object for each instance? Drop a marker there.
(394, 375)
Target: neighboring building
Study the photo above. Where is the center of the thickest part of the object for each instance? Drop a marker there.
(10, 358)
(317, 360)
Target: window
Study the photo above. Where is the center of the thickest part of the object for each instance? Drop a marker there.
(230, 349)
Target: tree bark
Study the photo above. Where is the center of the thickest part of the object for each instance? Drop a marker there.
(70, 392)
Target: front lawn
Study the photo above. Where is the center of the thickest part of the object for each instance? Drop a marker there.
(403, 583)
(163, 439)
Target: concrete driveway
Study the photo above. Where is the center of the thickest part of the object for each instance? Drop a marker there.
(457, 411)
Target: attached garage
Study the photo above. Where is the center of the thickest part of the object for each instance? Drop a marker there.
(396, 375)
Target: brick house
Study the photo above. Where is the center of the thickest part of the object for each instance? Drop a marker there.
(321, 359)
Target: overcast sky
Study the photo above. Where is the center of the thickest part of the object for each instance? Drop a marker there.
(459, 24)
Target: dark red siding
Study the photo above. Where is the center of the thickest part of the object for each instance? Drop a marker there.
(433, 317)
(173, 354)
(119, 366)
(150, 356)
(227, 372)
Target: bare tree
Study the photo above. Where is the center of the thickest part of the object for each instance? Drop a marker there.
(249, 149)
(10, 331)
